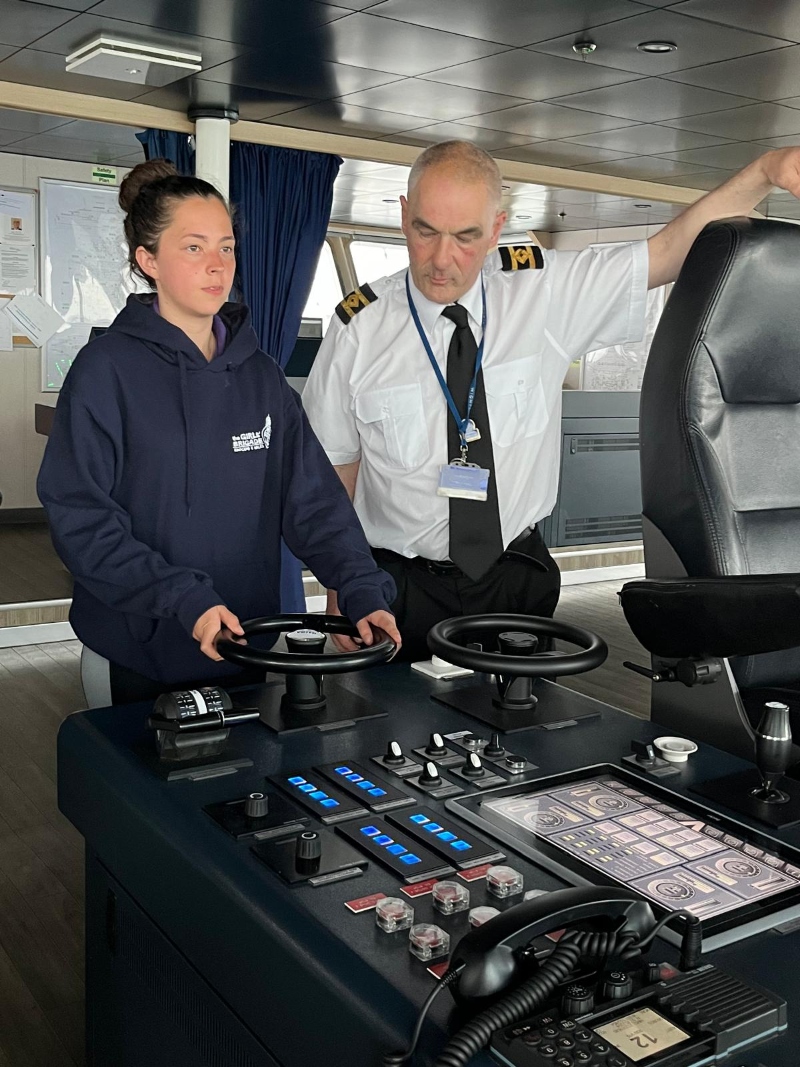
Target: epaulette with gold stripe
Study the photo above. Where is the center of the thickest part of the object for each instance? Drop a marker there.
(355, 302)
(521, 257)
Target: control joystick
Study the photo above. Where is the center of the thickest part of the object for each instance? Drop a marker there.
(308, 851)
(494, 750)
(773, 752)
(430, 775)
(473, 767)
(394, 755)
(436, 746)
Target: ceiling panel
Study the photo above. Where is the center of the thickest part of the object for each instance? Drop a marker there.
(120, 137)
(698, 42)
(780, 18)
(652, 100)
(546, 121)
(755, 122)
(235, 20)
(46, 144)
(28, 122)
(512, 22)
(533, 77)
(646, 168)
(560, 154)
(291, 71)
(253, 104)
(442, 104)
(727, 156)
(766, 77)
(332, 116)
(489, 140)
(647, 140)
(21, 23)
(31, 67)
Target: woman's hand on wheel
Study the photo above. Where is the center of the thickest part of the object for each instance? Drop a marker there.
(210, 626)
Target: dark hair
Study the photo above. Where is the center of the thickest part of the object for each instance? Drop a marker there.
(148, 196)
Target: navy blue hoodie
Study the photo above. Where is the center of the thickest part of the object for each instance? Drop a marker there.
(168, 481)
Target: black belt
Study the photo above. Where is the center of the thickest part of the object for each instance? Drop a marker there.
(444, 567)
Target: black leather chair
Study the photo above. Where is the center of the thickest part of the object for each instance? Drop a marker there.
(720, 464)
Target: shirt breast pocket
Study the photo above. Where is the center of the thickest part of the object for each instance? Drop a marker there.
(392, 424)
(515, 401)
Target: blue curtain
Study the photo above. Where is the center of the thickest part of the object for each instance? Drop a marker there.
(167, 144)
(283, 203)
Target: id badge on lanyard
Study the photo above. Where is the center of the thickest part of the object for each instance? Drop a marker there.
(459, 477)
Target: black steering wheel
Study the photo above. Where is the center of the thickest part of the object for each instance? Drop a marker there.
(306, 641)
(524, 664)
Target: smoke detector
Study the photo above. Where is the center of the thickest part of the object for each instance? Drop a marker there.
(132, 61)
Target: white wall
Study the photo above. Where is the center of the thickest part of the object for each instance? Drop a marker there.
(21, 447)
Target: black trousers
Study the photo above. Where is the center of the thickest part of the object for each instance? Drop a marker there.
(129, 687)
(525, 580)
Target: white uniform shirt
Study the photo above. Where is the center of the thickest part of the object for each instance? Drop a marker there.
(373, 396)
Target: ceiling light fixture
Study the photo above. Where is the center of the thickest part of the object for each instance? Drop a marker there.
(657, 47)
(584, 48)
(110, 57)
(642, 205)
(523, 216)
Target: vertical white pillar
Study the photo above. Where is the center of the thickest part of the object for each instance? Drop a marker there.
(212, 145)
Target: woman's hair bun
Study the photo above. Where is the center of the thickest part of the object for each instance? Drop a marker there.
(141, 175)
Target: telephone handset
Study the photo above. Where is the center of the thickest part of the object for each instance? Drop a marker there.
(490, 957)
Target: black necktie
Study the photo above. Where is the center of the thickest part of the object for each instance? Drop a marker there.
(476, 540)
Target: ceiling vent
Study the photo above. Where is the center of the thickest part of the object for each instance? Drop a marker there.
(132, 61)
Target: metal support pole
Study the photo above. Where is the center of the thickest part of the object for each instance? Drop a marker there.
(213, 145)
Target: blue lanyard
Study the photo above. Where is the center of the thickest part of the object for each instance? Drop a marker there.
(462, 424)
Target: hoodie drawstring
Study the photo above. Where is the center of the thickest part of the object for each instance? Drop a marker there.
(187, 422)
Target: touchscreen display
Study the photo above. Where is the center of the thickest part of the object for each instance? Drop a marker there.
(669, 856)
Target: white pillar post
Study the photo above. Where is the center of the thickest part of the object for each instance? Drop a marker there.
(212, 145)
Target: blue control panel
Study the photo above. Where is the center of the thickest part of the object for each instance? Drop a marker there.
(411, 861)
(446, 837)
(313, 792)
(369, 789)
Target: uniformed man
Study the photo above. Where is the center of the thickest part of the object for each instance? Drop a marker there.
(436, 392)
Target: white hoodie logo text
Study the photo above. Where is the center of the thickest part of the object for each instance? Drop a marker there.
(253, 440)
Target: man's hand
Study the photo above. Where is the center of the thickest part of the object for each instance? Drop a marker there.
(782, 168)
(209, 627)
(381, 620)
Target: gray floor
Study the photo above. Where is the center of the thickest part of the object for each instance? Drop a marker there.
(41, 855)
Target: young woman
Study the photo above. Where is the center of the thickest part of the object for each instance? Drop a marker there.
(179, 457)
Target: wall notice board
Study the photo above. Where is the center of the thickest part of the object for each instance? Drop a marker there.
(84, 267)
(17, 255)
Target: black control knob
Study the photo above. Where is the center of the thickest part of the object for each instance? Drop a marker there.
(430, 775)
(617, 986)
(773, 751)
(652, 973)
(517, 644)
(494, 749)
(473, 768)
(577, 1000)
(305, 640)
(436, 746)
(394, 755)
(308, 850)
(256, 806)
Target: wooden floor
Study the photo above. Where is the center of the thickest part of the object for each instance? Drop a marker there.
(41, 855)
(29, 566)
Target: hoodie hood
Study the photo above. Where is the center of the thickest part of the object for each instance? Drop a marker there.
(139, 319)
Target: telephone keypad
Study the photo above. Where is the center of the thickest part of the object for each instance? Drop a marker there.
(553, 1042)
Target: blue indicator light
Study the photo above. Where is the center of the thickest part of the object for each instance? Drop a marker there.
(434, 828)
(461, 846)
(370, 831)
(409, 858)
(366, 785)
(307, 787)
(446, 836)
(317, 795)
(396, 850)
(419, 819)
(377, 792)
(383, 840)
(353, 777)
(329, 802)
(296, 780)
(343, 770)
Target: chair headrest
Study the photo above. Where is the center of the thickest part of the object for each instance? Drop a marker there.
(736, 616)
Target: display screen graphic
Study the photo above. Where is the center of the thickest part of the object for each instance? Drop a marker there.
(667, 855)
